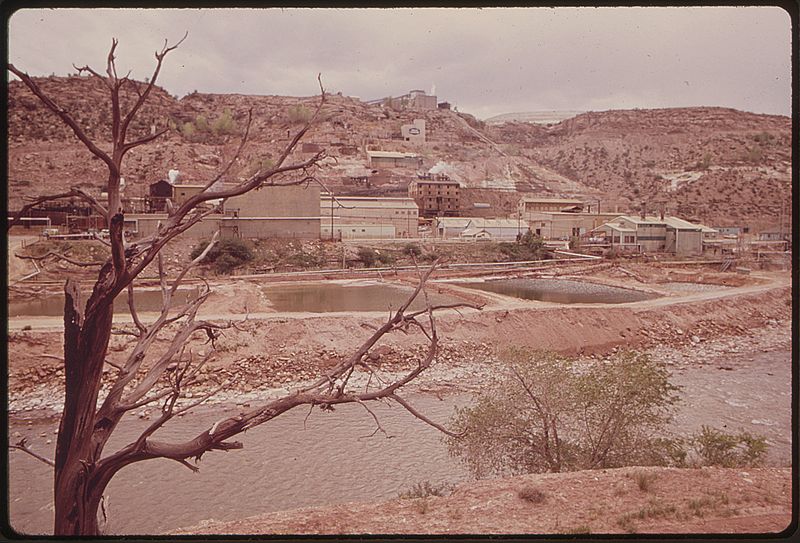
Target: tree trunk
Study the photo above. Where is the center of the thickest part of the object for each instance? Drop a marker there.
(85, 345)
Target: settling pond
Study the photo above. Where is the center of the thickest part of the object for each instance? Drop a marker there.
(360, 296)
(53, 306)
(563, 291)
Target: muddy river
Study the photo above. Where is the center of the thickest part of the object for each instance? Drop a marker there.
(288, 465)
(563, 291)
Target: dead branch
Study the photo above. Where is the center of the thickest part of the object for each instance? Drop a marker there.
(22, 445)
(65, 117)
(74, 192)
(59, 256)
(319, 393)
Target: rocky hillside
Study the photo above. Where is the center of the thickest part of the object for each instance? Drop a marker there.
(721, 166)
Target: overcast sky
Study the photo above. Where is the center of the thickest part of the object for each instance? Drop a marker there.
(485, 61)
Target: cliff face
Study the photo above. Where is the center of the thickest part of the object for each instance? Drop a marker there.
(717, 165)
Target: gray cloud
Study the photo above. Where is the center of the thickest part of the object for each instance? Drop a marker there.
(486, 61)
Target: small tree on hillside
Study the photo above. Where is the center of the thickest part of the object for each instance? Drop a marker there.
(82, 466)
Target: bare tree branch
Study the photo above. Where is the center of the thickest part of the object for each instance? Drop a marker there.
(65, 117)
(74, 192)
(22, 445)
(59, 256)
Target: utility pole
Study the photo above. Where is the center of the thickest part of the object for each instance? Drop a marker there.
(331, 193)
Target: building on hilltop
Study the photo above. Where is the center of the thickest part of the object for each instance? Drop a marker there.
(393, 159)
(414, 132)
(417, 99)
(436, 195)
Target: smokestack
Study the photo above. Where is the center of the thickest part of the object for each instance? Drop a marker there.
(662, 212)
(644, 210)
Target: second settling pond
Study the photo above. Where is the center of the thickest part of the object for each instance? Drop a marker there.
(562, 291)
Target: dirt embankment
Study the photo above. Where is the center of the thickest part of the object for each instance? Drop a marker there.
(279, 351)
(625, 500)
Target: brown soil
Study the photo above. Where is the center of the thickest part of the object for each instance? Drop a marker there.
(626, 500)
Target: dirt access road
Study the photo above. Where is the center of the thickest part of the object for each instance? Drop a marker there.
(18, 267)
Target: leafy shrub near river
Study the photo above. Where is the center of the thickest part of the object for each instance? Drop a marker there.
(549, 413)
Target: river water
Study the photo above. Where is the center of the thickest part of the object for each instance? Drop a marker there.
(285, 465)
(282, 466)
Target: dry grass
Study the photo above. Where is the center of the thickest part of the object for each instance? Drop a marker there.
(531, 494)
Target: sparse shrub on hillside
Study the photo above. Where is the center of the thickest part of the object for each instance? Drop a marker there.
(259, 165)
(201, 123)
(763, 137)
(226, 255)
(531, 494)
(644, 480)
(426, 489)
(298, 114)
(201, 131)
(754, 155)
(224, 124)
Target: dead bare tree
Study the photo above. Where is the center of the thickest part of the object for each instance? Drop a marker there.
(82, 467)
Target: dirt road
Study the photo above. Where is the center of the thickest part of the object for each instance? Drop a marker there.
(18, 267)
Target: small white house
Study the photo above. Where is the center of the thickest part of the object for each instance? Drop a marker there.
(495, 229)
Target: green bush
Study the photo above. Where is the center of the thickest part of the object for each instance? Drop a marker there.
(551, 414)
(412, 249)
(367, 256)
(298, 114)
(226, 255)
(370, 257)
(717, 448)
(305, 260)
(528, 247)
(224, 123)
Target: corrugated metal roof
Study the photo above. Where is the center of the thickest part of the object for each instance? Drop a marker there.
(453, 222)
(390, 154)
(553, 200)
(480, 222)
